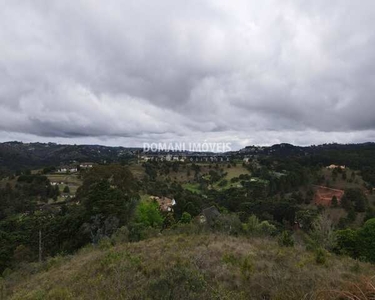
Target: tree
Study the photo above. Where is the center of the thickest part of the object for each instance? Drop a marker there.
(306, 218)
(347, 242)
(66, 189)
(149, 215)
(322, 232)
(102, 199)
(101, 227)
(56, 192)
(366, 240)
(358, 243)
(22, 254)
(354, 198)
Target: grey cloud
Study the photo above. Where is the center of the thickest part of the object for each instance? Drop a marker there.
(135, 70)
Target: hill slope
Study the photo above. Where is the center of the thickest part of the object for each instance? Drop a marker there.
(201, 266)
(19, 156)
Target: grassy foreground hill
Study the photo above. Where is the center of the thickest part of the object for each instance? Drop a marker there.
(193, 266)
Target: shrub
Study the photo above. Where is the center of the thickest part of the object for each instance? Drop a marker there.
(185, 218)
(230, 258)
(254, 227)
(105, 243)
(247, 267)
(188, 229)
(228, 223)
(286, 239)
(139, 232)
(320, 256)
(252, 224)
(121, 235)
(178, 282)
(265, 228)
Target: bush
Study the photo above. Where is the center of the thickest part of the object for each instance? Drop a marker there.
(286, 239)
(105, 243)
(187, 229)
(138, 232)
(252, 224)
(247, 267)
(179, 282)
(185, 218)
(254, 227)
(265, 228)
(229, 224)
(320, 256)
(121, 235)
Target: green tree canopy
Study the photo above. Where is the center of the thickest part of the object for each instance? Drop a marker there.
(149, 215)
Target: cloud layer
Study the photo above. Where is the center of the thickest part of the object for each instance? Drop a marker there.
(255, 72)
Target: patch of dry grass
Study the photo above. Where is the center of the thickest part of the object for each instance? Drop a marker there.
(194, 266)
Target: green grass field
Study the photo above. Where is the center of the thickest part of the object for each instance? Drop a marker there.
(235, 171)
(71, 180)
(193, 187)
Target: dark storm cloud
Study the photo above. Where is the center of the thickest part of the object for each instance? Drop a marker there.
(240, 71)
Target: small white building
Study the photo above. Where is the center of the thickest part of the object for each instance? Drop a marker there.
(67, 170)
(331, 167)
(86, 165)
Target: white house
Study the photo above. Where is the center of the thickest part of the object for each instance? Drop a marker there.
(331, 167)
(86, 165)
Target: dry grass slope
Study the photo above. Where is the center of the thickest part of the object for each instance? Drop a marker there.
(201, 266)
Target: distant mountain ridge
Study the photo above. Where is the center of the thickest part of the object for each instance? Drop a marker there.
(19, 156)
(285, 149)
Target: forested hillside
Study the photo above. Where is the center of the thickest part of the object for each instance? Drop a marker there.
(253, 226)
(17, 156)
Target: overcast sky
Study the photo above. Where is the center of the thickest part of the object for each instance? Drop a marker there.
(245, 72)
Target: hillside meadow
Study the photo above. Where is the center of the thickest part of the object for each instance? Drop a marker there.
(202, 265)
